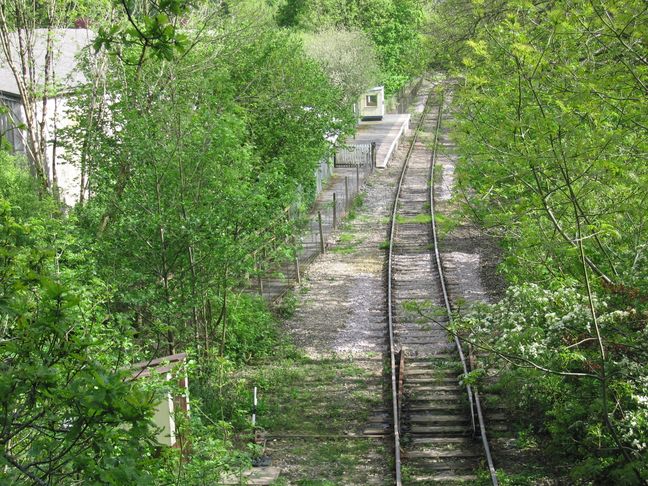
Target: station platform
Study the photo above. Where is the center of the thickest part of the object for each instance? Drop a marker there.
(387, 133)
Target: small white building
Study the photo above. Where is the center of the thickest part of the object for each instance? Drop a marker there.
(372, 104)
(67, 75)
(170, 369)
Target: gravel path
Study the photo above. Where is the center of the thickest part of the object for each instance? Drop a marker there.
(469, 256)
(342, 300)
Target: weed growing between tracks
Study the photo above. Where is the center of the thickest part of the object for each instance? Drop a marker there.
(418, 219)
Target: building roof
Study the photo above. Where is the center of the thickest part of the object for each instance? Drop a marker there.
(68, 43)
(158, 365)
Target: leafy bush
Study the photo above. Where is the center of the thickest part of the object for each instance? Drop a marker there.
(544, 345)
(65, 408)
(347, 56)
(252, 330)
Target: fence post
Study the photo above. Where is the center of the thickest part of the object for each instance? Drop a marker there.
(334, 211)
(373, 156)
(319, 222)
(346, 192)
(357, 178)
(297, 269)
(260, 281)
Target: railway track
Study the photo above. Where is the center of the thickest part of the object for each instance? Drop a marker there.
(439, 430)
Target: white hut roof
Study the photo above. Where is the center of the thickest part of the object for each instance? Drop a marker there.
(67, 43)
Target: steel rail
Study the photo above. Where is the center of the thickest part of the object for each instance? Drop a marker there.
(390, 314)
(472, 393)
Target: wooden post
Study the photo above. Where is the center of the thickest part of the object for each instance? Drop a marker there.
(319, 222)
(373, 156)
(297, 272)
(358, 178)
(260, 281)
(334, 211)
(346, 192)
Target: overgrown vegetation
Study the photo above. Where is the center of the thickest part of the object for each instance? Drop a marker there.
(552, 140)
(196, 129)
(196, 138)
(394, 26)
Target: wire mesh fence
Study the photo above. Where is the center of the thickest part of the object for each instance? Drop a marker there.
(333, 204)
(337, 186)
(402, 100)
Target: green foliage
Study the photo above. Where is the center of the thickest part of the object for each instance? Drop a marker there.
(552, 143)
(348, 57)
(146, 29)
(20, 189)
(393, 25)
(252, 331)
(170, 161)
(562, 126)
(199, 129)
(65, 410)
(543, 344)
(212, 453)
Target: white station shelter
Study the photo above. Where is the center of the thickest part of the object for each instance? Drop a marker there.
(372, 104)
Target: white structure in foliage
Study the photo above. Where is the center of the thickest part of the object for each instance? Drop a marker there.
(67, 75)
(170, 369)
(372, 104)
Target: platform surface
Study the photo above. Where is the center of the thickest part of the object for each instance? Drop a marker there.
(386, 133)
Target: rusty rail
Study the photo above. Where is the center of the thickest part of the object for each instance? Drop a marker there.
(477, 416)
(390, 310)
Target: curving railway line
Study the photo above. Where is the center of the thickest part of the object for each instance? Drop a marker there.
(439, 431)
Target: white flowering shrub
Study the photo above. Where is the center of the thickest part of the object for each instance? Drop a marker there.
(544, 345)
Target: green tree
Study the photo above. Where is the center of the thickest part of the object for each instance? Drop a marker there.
(67, 412)
(553, 148)
(239, 121)
(393, 25)
(348, 57)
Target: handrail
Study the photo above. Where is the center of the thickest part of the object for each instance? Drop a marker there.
(472, 394)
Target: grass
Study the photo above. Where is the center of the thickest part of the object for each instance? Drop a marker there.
(312, 396)
(319, 397)
(356, 203)
(418, 219)
(347, 243)
(334, 462)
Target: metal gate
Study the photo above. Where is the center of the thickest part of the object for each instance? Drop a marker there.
(355, 155)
